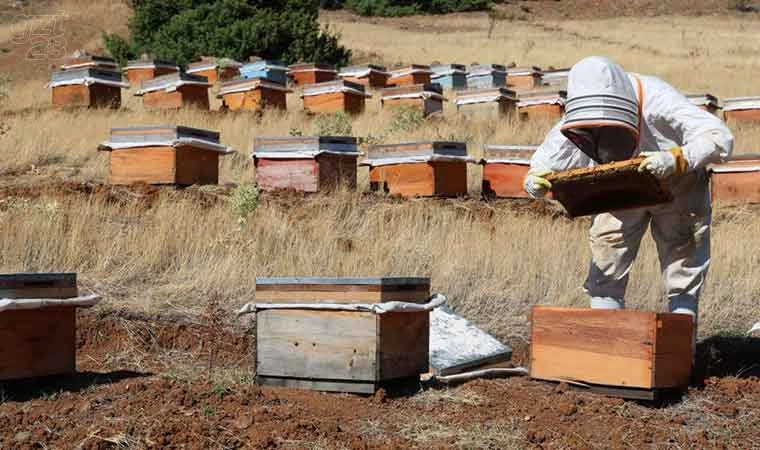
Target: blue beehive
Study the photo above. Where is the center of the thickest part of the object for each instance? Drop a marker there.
(487, 76)
(450, 76)
(266, 69)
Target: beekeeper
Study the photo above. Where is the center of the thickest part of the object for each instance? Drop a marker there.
(612, 115)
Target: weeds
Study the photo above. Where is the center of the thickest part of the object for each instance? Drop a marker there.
(244, 201)
(405, 119)
(337, 124)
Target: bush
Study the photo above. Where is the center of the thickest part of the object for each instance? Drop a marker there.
(183, 30)
(337, 124)
(245, 200)
(407, 7)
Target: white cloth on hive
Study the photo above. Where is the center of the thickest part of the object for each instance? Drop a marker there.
(434, 301)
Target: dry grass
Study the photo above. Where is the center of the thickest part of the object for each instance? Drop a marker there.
(493, 263)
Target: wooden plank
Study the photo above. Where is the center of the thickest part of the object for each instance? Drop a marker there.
(152, 165)
(742, 115)
(298, 174)
(37, 342)
(195, 166)
(735, 187)
(403, 344)
(336, 171)
(194, 96)
(672, 350)
(347, 286)
(504, 180)
(347, 386)
(71, 95)
(325, 103)
(417, 296)
(450, 178)
(38, 285)
(550, 112)
(407, 180)
(162, 100)
(333, 345)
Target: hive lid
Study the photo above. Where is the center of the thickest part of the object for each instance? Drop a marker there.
(171, 82)
(75, 62)
(739, 103)
(264, 64)
(37, 290)
(411, 152)
(748, 162)
(303, 146)
(447, 69)
(312, 67)
(198, 66)
(518, 154)
(486, 69)
(248, 84)
(414, 68)
(334, 86)
(522, 71)
(542, 97)
(483, 95)
(87, 76)
(151, 64)
(362, 70)
(163, 135)
(343, 281)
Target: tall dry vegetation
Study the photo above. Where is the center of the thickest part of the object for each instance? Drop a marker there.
(491, 260)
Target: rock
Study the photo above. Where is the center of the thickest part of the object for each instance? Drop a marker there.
(22, 436)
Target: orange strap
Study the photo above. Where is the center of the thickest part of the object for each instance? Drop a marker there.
(641, 104)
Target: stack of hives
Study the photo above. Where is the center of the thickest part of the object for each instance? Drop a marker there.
(410, 75)
(449, 76)
(371, 76)
(175, 90)
(255, 94)
(265, 69)
(523, 78)
(542, 104)
(214, 69)
(427, 98)
(334, 96)
(487, 102)
(303, 74)
(136, 71)
(486, 76)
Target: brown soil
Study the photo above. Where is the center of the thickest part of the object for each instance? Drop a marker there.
(168, 382)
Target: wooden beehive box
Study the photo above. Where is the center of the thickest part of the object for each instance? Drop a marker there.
(449, 76)
(409, 75)
(523, 78)
(708, 102)
(427, 98)
(340, 350)
(302, 74)
(608, 187)
(305, 163)
(144, 69)
(742, 109)
(371, 76)
(175, 90)
(172, 155)
(252, 95)
(541, 105)
(270, 70)
(737, 180)
(555, 78)
(486, 76)
(487, 103)
(504, 170)
(89, 61)
(88, 87)
(630, 353)
(419, 169)
(215, 70)
(37, 337)
(334, 96)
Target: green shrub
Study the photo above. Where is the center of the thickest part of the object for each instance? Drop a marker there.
(337, 124)
(406, 119)
(245, 200)
(183, 30)
(408, 7)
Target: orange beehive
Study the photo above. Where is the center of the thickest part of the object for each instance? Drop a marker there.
(144, 69)
(737, 180)
(419, 169)
(523, 78)
(371, 76)
(742, 109)
(215, 70)
(708, 102)
(334, 96)
(487, 103)
(541, 105)
(504, 169)
(414, 74)
(175, 90)
(302, 74)
(252, 95)
(427, 98)
(89, 87)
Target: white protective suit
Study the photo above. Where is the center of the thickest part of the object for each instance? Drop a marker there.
(600, 93)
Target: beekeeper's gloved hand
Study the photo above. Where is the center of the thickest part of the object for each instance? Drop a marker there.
(536, 185)
(664, 164)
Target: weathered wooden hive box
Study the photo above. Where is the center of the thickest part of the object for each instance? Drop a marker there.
(742, 109)
(409, 75)
(708, 102)
(270, 70)
(608, 187)
(334, 96)
(371, 76)
(427, 98)
(628, 353)
(302, 74)
(253, 94)
(419, 169)
(175, 90)
(487, 76)
(89, 87)
(173, 155)
(144, 69)
(737, 180)
(305, 163)
(542, 105)
(38, 324)
(523, 78)
(449, 76)
(555, 78)
(504, 169)
(89, 61)
(349, 348)
(215, 70)
(487, 103)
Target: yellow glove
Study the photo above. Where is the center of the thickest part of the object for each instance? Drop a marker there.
(536, 185)
(664, 164)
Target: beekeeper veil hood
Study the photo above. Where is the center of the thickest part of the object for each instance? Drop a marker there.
(602, 113)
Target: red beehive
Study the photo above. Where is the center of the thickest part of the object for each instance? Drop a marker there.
(371, 76)
(427, 98)
(144, 69)
(742, 109)
(252, 94)
(737, 180)
(504, 169)
(175, 90)
(302, 74)
(542, 105)
(414, 74)
(334, 96)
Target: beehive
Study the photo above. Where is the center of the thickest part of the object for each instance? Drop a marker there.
(419, 169)
(215, 70)
(252, 95)
(555, 78)
(737, 180)
(634, 350)
(742, 109)
(371, 76)
(87, 87)
(410, 75)
(139, 70)
(334, 96)
(89, 62)
(541, 105)
(708, 102)
(323, 334)
(305, 163)
(486, 76)
(449, 76)
(523, 78)
(175, 90)
(504, 170)
(38, 324)
(427, 98)
(487, 103)
(302, 74)
(173, 155)
(270, 70)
